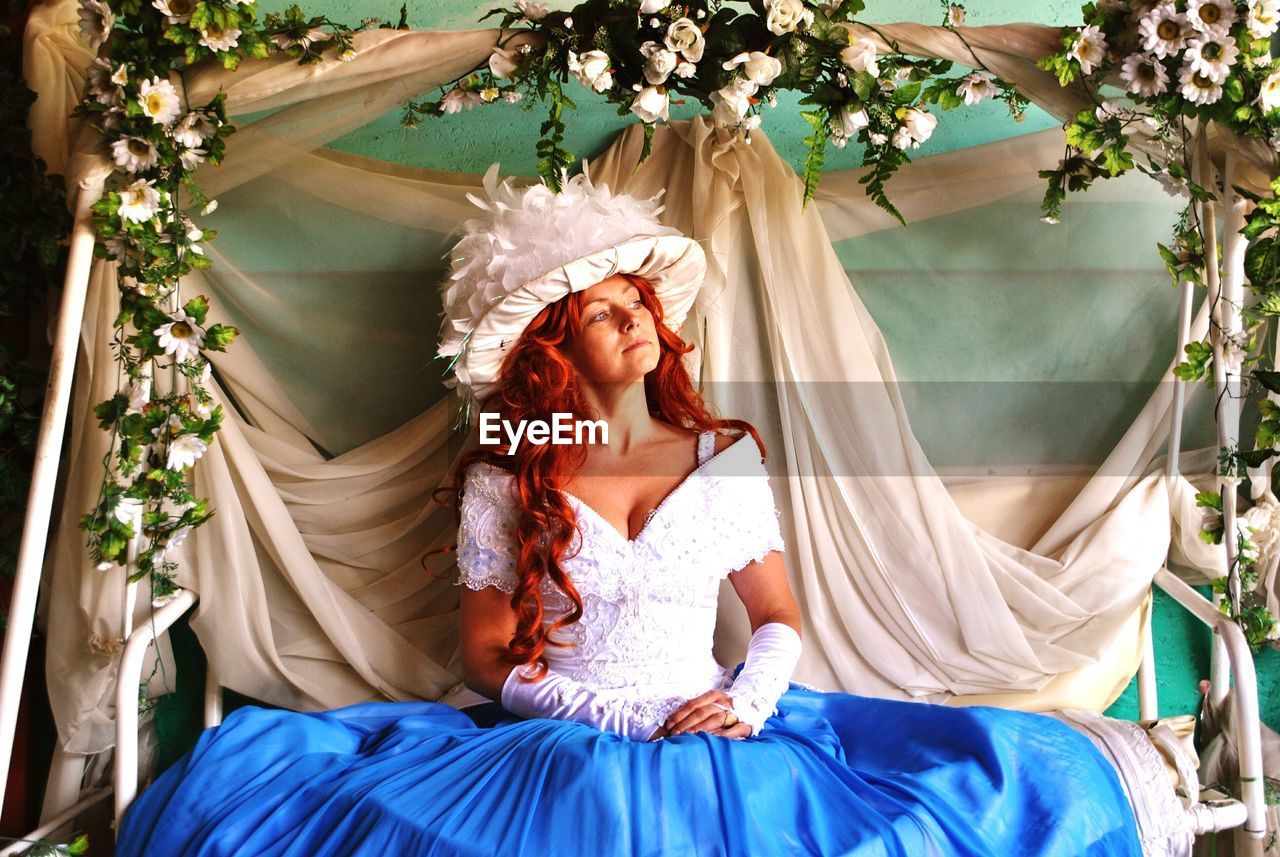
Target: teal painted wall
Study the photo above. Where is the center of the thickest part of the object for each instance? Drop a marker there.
(465, 142)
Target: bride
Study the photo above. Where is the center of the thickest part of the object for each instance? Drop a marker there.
(589, 578)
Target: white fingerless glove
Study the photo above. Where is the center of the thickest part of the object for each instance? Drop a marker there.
(561, 698)
(772, 656)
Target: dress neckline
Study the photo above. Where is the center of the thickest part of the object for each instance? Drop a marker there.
(644, 528)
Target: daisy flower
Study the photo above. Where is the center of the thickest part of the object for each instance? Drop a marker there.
(193, 129)
(1089, 49)
(217, 39)
(181, 337)
(1198, 88)
(183, 453)
(955, 15)
(159, 101)
(1211, 16)
(1264, 18)
(96, 21)
(192, 158)
(1211, 55)
(133, 154)
(1144, 74)
(139, 201)
(1269, 93)
(175, 11)
(1164, 30)
(126, 509)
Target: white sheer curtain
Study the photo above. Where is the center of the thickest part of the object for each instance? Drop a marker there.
(310, 575)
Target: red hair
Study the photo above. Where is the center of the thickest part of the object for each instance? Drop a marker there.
(537, 381)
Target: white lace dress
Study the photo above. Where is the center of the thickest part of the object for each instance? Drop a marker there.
(649, 603)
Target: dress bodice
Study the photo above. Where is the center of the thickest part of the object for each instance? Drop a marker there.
(649, 603)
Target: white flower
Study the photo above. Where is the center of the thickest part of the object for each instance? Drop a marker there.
(648, 7)
(731, 104)
(976, 86)
(757, 65)
(1171, 184)
(1198, 88)
(96, 21)
(193, 129)
(1144, 74)
(177, 537)
(216, 39)
(751, 123)
(1211, 56)
(591, 69)
(685, 38)
(139, 201)
(955, 15)
(686, 69)
(159, 101)
(853, 121)
(919, 124)
(184, 450)
(210, 208)
(568, 21)
(127, 509)
(1269, 93)
(100, 82)
(457, 98)
(181, 337)
(532, 11)
(503, 63)
(861, 56)
(1164, 30)
(1089, 49)
(877, 138)
(139, 394)
(1264, 18)
(192, 158)
(348, 55)
(204, 410)
(902, 139)
(785, 16)
(294, 39)
(120, 76)
(175, 11)
(651, 104)
(104, 566)
(489, 94)
(658, 62)
(133, 154)
(1050, 219)
(1211, 16)
(1210, 519)
(512, 96)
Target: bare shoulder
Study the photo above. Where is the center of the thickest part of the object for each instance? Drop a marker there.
(724, 441)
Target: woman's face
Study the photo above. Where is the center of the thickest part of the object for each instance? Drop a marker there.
(619, 339)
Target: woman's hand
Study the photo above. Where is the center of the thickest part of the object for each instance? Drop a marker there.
(703, 714)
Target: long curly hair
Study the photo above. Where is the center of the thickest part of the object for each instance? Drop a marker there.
(538, 380)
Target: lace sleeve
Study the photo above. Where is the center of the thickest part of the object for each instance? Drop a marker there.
(751, 524)
(486, 537)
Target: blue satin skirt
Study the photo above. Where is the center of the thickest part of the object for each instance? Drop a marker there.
(830, 774)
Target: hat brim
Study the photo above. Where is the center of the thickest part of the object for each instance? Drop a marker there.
(674, 265)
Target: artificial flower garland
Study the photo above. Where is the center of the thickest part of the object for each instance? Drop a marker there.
(643, 55)
(1211, 61)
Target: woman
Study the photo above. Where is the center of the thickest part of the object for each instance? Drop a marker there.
(590, 576)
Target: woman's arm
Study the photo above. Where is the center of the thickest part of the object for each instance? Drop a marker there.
(766, 593)
(487, 623)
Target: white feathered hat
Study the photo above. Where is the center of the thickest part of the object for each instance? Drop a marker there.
(530, 247)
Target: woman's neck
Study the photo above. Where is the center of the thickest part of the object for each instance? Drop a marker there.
(624, 408)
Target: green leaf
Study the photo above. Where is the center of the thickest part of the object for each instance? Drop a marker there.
(197, 308)
(219, 336)
(1268, 379)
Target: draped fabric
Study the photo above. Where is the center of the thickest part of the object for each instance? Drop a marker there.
(313, 588)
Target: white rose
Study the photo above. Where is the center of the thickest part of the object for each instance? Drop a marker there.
(659, 62)
(902, 139)
(861, 56)
(919, 124)
(853, 121)
(648, 7)
(686, 69)
(784, 16)
(503, 63)
(757, 65)
(591, 69)
(730, 106)
(685, 37)
(651, 104)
